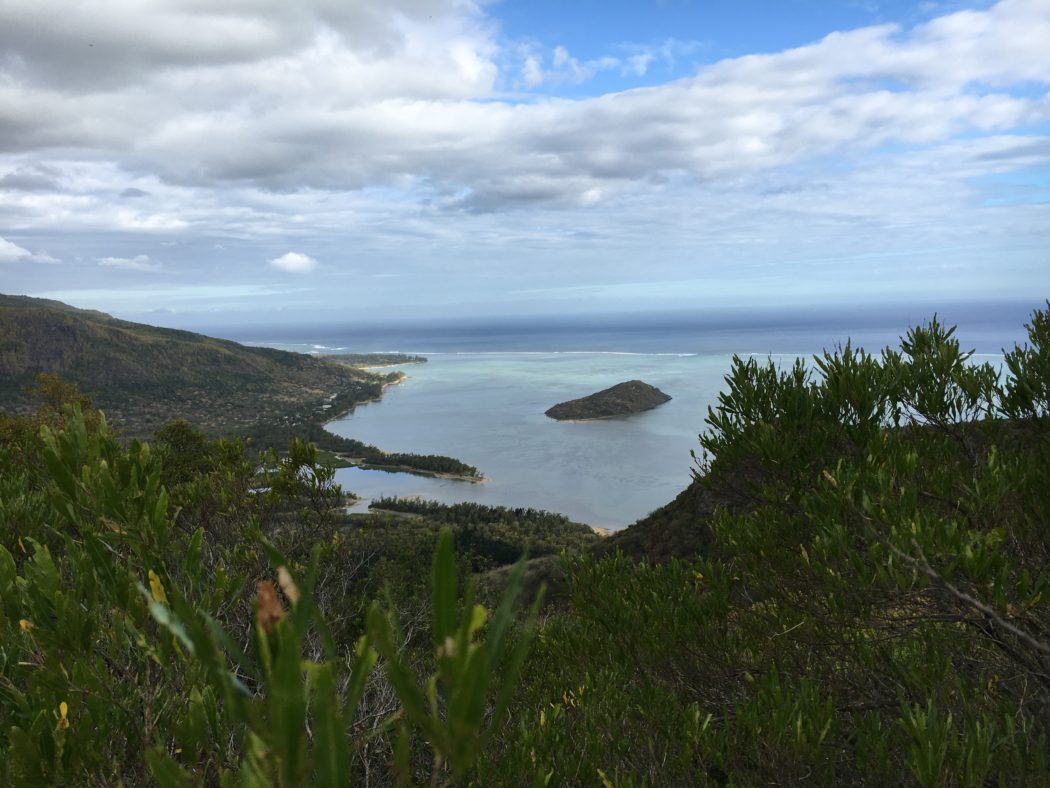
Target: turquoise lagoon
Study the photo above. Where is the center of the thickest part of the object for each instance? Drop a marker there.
(487, 410)
(482, 395)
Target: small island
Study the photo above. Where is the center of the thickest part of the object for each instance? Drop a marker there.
(632, 396)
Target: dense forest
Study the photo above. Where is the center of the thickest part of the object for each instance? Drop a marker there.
(853, 591)
(497, 535)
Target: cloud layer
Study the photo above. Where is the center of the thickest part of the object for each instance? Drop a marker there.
(394, 127)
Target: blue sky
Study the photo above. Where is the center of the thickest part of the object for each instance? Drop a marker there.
(342, 160)
(682, 35)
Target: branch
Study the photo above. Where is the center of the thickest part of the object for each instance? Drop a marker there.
(921, 565)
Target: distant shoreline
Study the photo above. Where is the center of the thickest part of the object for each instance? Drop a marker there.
(336, 415)
(388, 365)
(339, 460)
(342, 461)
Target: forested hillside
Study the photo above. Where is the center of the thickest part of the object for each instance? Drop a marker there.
(853, 591)
(143, 376)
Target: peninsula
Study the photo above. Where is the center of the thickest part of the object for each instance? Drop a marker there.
(632, 396)
(145, 376)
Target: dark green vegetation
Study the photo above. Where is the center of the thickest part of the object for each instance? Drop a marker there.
(632, 396)
(143, 377)
(366, 360)
(175, 612)
(853, 591)
(495, 535)
(340, 452)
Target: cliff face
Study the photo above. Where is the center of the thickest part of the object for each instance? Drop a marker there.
(622, 399)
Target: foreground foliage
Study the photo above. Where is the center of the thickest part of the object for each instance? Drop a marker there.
(175, 613)
(868, 604)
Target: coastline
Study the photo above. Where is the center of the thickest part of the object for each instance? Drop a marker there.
(336, 415)
(383, 366)
(339, 460)
(342, 461)
(528, 461)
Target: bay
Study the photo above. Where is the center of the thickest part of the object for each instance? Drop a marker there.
(482, 394)
(487, 410)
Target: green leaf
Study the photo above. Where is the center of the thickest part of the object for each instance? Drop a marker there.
(402, 678)
(162, 615)
(191, 564)
(512, 669)
(255, 771)
(467, 705)
(232, 647)
(286, 691)
(504, 617)
(478, 617)
(7, 571)
(331, 749)
(166, 772)
(444, 588)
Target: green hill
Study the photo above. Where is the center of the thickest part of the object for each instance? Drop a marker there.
(143, 375)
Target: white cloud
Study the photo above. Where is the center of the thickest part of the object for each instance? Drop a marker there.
(299, 125)
(668, 53)
(639, 64)
(299, 100)
(39, 178)
(108, 42)
(13, 253)
(139, 262)
(564, 68)
(294, 262)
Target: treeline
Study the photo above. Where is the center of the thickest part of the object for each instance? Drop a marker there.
(430, 463)
(375, 359)
(470, 513)
(493, 536)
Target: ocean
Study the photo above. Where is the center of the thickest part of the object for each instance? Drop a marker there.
(482, 394)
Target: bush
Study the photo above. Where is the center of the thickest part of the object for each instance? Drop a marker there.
(870, 606)
(122, 630)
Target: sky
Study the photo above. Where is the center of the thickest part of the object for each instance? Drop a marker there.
(186, 162)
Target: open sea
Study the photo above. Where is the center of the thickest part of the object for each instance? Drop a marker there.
(482, 394)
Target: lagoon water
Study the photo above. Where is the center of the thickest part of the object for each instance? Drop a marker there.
(487, 410)
(482, 394)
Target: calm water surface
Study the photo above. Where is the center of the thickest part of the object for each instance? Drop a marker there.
(487, 410)
(482, 395)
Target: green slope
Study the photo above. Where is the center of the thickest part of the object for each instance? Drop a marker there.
(143, 375)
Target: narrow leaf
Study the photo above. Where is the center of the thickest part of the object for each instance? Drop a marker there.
(444, 591)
